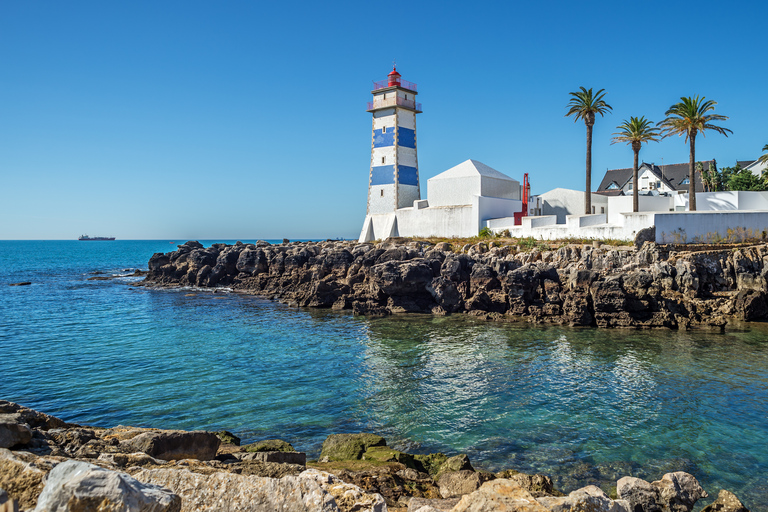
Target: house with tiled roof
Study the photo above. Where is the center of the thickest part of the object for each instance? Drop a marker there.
(653, 179)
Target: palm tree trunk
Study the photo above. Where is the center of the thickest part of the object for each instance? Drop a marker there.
(588, 191)
(692, 175)
(635, 194)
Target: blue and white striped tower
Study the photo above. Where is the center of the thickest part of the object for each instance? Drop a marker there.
(394, 176)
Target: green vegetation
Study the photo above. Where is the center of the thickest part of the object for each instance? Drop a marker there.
(689, 117)
(485, 233)
(635, 132)
(584, 105)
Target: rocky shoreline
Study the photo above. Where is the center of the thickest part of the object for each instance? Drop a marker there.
(637, 287)
(47, 464)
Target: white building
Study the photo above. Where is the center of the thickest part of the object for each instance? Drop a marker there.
(459, 201)
(757, 167)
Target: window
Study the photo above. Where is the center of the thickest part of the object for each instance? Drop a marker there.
(382, 159)
(383, 129)
(613, 186)
(406, 96)
(686, 181)
(602, 209)
(630, 186)
(658, 184)
(382, 192)
(593, 210)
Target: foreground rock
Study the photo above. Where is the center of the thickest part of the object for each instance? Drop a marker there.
(675, 492)
(651, 287)
(62, 466)
(309, 491)
(80, 486)
(176, 445)
(726, 502)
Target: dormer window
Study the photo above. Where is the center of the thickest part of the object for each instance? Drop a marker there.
(686, 181)
(612, 186)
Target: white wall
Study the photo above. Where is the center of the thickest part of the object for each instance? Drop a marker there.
(494, 187)
(452, 192)
(724, 201)
(407, 194)
(709, 227)
(581, 226)
(563, 202)
(406, 156)
(387, 152)
(494, 208)
(753, 201)
(406, 118)
(623, 204)
(449, 221)
(380, 122)
(381, 199)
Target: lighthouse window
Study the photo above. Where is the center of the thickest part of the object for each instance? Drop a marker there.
(382, 159)
(383, 129)
(382, 192)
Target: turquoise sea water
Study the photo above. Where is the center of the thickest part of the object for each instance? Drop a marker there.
(582, 405)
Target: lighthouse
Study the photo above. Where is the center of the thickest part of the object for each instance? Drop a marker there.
(394, 176)
(461, 200)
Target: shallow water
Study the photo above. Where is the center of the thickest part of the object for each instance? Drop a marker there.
(582, 405)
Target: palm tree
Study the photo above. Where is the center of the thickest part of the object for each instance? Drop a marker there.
(635, 132)
(690, 117)
(764, 159)
(584, 105)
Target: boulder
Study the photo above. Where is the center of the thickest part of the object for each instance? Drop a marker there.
(726, 502)
(675, 492)
(679, 491)
(589, 498)
(537, 485)
(453, 484)
(228, 437)
(11, 412)
(387, 454)
(638, 493)
(418, 504)
(14, 434)
(268, 445)
(499, 495)
(122, 460)
(349, 446)
(22, 474)
(270, 469)
(83, 487)
(310, 491)
(277, 457)
(458, 462)
(175, 444)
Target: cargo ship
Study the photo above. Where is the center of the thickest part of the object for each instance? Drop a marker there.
(97, 238)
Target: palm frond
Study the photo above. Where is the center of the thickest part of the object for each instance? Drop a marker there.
(764, 159)
(585, 102)
(637, 129)
(690, 115)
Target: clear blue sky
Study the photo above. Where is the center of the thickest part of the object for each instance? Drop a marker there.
(225, 120)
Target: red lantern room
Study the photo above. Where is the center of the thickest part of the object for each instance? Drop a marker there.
(393, 78)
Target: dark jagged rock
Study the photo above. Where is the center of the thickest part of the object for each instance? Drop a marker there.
(641, 288)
